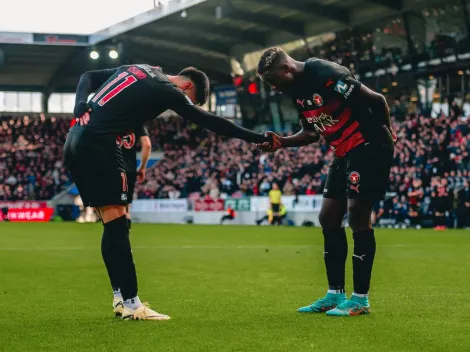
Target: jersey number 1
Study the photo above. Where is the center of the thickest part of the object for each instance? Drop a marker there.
(124, 79)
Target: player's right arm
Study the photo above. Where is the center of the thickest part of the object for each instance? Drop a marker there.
(302, 138)
(89, 82)
(183, 106)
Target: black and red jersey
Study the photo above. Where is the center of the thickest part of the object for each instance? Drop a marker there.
(128, 145)
(327, 98)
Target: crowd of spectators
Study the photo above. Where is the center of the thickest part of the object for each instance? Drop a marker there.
(429, 177)
(31, 166)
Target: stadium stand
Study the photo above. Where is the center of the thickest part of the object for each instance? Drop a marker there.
(430, 172)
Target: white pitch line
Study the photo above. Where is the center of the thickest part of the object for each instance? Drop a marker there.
(47, 249)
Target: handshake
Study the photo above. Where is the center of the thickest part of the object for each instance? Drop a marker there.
(273, 142)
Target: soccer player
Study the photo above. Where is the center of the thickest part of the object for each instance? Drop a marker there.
(128, 145)
(125, 97)
(356, 123)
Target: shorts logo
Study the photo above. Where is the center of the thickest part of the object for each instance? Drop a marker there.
(354, 177)
(354, 188)
(341, 87)
(301, 102)
(317, 99)
(123, 197)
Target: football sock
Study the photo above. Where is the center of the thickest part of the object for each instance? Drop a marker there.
(133, 303)
(363, 260)
(107, 258)
(121, 260)
(335, 253)
(129, 221)
(359, 295)
(117, 294)
(336, 292)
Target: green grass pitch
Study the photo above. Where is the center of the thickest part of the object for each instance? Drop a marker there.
(229, 289)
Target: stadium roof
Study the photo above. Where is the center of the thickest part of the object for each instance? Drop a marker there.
(206, 34)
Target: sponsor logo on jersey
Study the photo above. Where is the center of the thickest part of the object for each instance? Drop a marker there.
(301, 102)
(348, 93)
(341, 87)
(321, 122)
(354, 177)
(123, 197)
(317, 99)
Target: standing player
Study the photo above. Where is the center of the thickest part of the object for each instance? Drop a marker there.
(125, 97)
(356, 122)
(128, 145)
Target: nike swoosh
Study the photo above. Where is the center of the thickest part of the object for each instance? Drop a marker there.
(357, 312)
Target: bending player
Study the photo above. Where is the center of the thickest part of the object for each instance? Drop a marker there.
(125, 97)
(356, 122)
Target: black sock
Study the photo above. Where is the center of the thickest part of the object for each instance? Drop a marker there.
(129, 222)
(336, 251)
(108, 261)
(119, 247)
(363, 260)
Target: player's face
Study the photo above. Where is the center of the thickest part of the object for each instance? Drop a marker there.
(280, 79)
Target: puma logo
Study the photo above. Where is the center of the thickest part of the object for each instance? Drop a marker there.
(329, 83)
(301, 102)
(361, 257)
(354, 188)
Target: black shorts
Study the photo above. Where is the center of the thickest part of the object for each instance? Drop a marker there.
(362, 174)
(131, 180)
(275, 208)
(97, 169)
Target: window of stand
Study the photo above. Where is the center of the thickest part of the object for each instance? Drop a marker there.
(20, 101)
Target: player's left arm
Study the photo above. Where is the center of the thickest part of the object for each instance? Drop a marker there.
(89, 82)
(183, 106)
(378, 106)
(146, 145)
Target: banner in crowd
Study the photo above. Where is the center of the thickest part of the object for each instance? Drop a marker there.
(208, 205)
(292, 203)
(29, 215)
(159, 205)
(238, 204)
(24, 204)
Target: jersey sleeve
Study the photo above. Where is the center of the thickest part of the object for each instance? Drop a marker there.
(89, 82)
(141, 131)
(337, 80)
(182, 105)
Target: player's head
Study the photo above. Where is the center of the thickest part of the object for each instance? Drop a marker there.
(195, 85)
(277, 68)
(275, 186)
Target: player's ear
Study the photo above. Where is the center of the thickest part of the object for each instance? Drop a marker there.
(188, 85)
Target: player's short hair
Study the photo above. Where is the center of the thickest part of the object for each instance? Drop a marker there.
(270, 58)
(201, 83)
